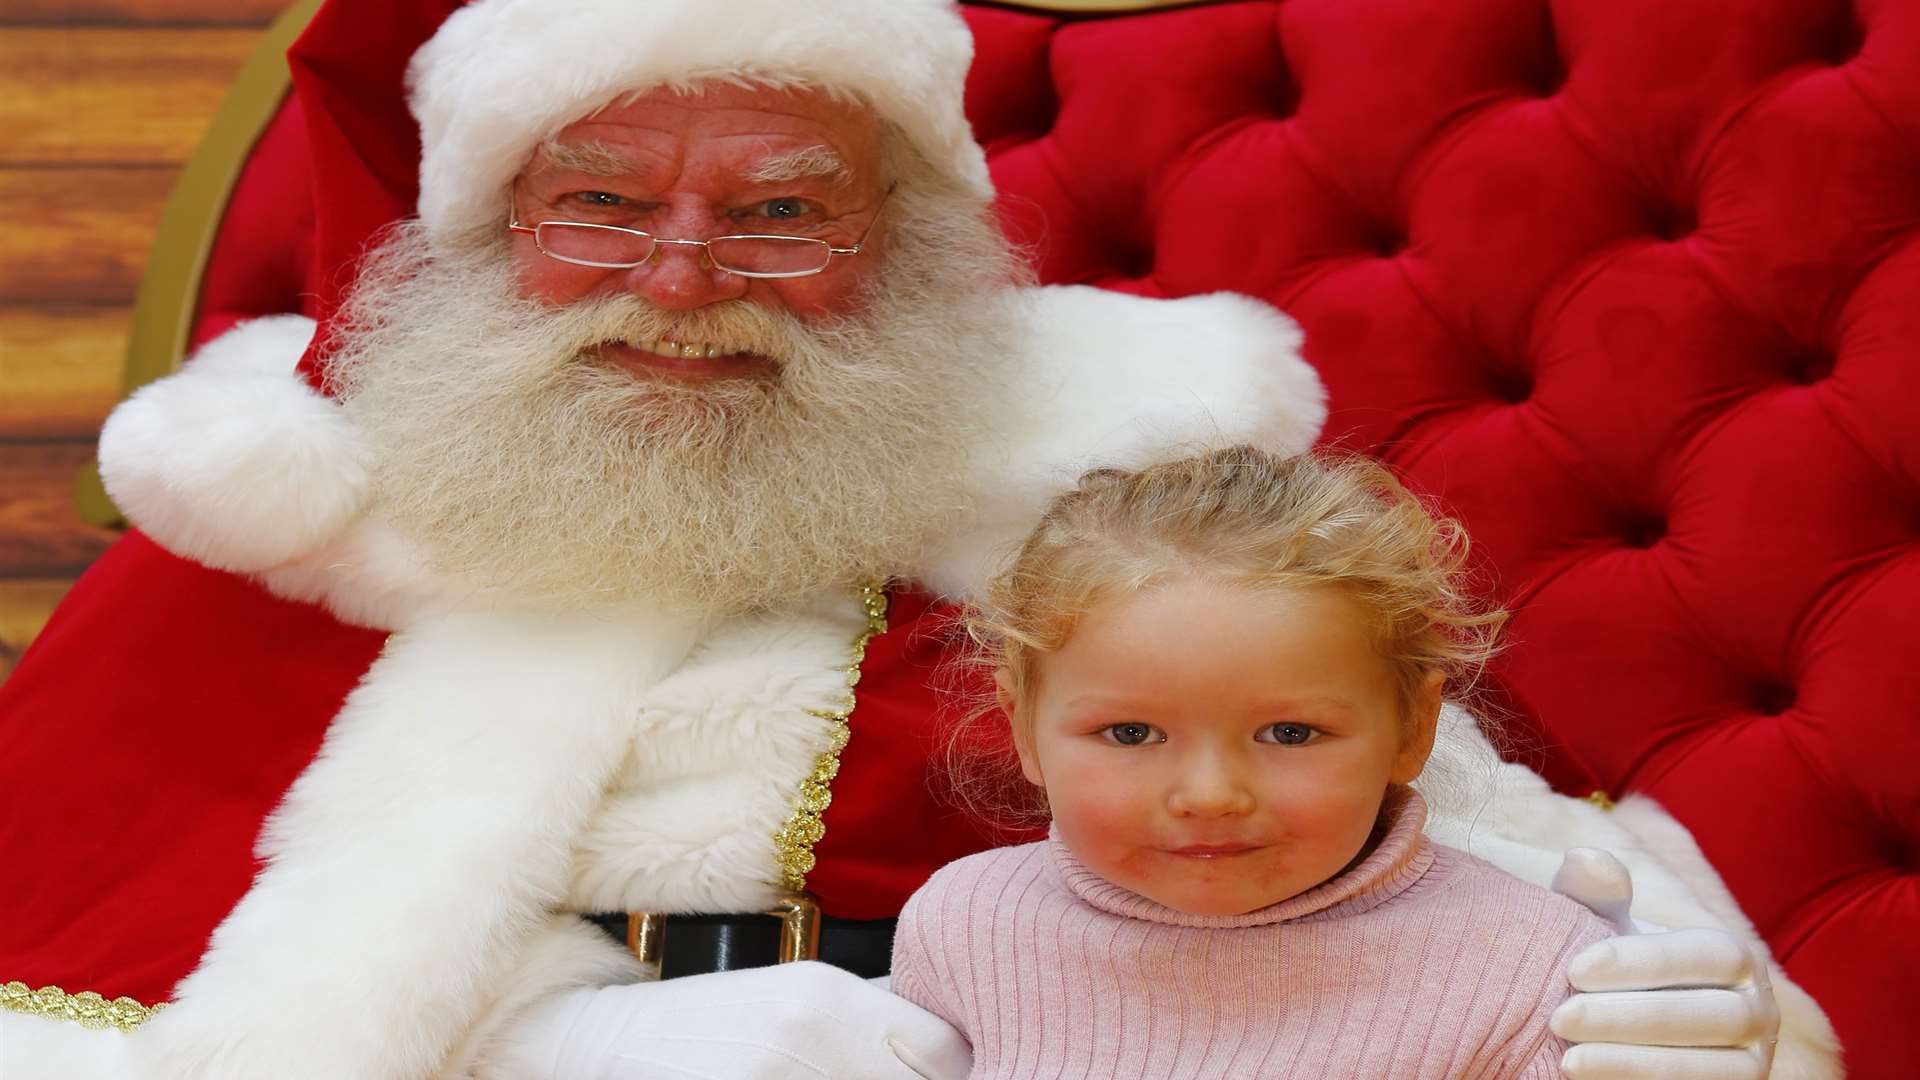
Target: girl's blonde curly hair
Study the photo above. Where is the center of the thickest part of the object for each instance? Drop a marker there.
(1242, 517)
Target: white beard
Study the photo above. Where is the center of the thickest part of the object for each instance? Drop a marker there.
(524, 466)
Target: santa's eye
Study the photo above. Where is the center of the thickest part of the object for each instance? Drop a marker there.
(785, 209)
(1129, 734)
(1288, 734)
(598, 198)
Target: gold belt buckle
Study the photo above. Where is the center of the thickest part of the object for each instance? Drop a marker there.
(799, 915)
(643, 936)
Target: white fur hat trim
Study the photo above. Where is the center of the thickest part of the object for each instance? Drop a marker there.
(502, 76)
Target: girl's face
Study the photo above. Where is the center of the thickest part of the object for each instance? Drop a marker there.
(1217, 748)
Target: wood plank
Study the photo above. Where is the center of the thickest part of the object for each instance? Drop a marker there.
(59, 369)
(77, 235)
(39, 535)
(24, 608)
(148, 12)
(113, 96)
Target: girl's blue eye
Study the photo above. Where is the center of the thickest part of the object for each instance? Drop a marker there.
(1128, 734)
(1289, 734)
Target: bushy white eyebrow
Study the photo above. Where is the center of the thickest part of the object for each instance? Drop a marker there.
(806, 163)
(591, 158)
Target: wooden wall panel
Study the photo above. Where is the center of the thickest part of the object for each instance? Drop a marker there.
(101, 101)
(37, 526)
(141, 12)
(71, 236)
(59, 370)
(112, 96)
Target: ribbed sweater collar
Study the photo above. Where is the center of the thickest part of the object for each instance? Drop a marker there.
(1402, 857)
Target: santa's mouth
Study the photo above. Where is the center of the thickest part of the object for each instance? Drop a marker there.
(685, 360)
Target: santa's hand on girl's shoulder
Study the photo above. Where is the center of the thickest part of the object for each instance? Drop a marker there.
(1685, 1004)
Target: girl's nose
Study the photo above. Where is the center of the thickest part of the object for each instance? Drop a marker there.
(1208, 786)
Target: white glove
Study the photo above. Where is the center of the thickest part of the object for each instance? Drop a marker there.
(801, 1021)
(1658, 1004)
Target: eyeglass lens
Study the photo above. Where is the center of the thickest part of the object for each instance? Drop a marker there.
(740, 254)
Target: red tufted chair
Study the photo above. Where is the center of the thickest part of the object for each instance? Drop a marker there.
(1633, 287)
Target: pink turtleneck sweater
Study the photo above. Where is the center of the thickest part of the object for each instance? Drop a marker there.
(1419, 962)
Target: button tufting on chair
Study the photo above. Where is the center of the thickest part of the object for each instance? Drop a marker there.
(1772, 699)
(1809, 366)
(1645, 532)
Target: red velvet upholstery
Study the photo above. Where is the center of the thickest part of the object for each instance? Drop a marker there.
(1634, 287)
(273, 202)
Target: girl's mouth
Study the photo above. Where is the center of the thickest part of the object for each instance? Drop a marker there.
(1213, 851)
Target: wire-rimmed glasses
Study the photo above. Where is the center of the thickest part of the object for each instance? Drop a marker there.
(754, 255)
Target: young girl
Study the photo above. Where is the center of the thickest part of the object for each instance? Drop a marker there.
(1224, 673)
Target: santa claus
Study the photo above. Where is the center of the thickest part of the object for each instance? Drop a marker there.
(700, 385)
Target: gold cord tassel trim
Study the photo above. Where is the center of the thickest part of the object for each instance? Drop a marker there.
(86, 1008)
(793, 843)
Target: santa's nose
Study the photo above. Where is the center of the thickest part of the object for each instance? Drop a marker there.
(680, 277)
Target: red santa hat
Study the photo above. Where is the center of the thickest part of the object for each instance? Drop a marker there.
(431, 107)
(501, 76)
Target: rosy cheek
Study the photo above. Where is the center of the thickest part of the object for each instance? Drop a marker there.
(541, 278)
(821, 296)
(1101, 808)
(1115, 821)
(1339, 823)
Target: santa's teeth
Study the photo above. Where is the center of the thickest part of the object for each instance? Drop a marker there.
(678, 351)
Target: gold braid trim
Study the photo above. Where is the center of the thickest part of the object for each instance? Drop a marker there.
(86, 1008)
(793, 843)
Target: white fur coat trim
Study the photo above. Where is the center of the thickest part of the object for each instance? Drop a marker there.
(502, 76)
(713, 765)
(415, 863)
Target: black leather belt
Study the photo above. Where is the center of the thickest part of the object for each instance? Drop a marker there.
(697, 944)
